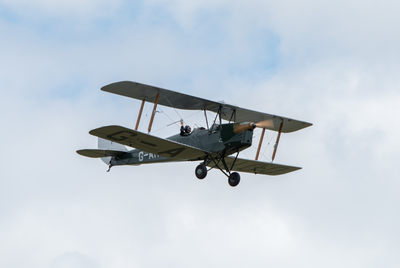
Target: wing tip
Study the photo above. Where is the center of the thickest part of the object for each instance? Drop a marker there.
(111, 87)
(95, 131)
(302, 126)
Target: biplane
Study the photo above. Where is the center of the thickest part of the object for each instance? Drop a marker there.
(217, 145)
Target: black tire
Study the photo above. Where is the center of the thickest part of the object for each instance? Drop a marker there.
(201, 171)
(234, 179)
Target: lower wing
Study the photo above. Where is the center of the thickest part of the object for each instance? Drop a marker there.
(257, 167)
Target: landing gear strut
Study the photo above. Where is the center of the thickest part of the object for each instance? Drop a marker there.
(201, 171)
(233, 177)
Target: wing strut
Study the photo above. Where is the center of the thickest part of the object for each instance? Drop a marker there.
(205, 115)
(218, 114)
(259, 144)
(154, 111)
(140, 114)
(277, 141)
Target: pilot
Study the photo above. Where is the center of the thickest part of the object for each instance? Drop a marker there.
(185, 130)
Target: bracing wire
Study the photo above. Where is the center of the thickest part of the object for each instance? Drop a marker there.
(167, 125)
(268, 147)
(176, 111)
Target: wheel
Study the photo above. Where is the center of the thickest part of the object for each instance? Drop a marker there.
(201, 171)
(234, 179)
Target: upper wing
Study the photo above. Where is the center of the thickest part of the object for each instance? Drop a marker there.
(183, 101)
(149, 143)
(257, 167)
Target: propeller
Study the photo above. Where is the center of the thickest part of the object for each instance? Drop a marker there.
(238, 128)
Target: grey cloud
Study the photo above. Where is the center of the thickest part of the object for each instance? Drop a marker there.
(73, 259)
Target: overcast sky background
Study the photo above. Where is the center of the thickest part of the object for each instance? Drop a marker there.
(333, 63)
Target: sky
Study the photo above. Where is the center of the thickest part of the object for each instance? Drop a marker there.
(332, 63)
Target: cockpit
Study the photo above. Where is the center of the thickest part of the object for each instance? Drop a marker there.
(186, 130)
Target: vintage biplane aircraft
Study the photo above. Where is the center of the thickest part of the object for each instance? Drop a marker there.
(213, 145)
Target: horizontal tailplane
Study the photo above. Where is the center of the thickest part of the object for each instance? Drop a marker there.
(99, 153)
(106, 150)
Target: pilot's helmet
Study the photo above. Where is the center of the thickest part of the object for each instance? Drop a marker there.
(188, 129)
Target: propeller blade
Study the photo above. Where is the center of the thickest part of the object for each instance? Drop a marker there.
(238, 128)
(265, 124)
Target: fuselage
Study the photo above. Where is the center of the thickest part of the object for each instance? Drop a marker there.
(218, 139)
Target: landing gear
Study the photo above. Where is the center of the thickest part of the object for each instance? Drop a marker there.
(234, 179)
(201, 171)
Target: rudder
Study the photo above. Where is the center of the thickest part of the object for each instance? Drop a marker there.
(109, 145)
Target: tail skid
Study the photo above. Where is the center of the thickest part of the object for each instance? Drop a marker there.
(106, 151)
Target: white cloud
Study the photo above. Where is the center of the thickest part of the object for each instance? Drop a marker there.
(340, 210)
(310, 29)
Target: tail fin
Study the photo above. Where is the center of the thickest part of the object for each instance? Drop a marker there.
(109, 145)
